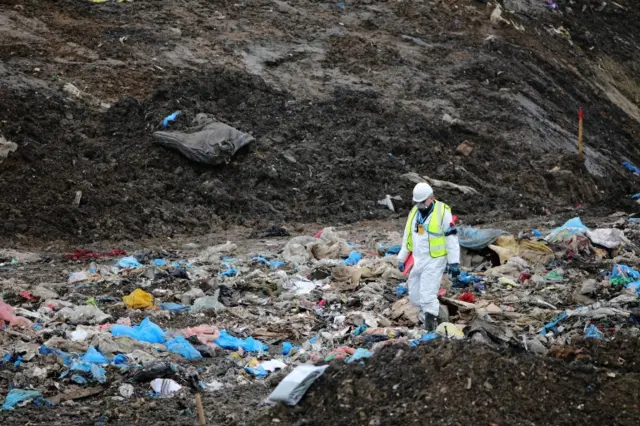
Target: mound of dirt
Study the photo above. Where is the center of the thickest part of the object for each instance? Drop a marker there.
(463, 384)
(382, 100)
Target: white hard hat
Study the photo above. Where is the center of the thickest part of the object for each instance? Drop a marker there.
(421, 192)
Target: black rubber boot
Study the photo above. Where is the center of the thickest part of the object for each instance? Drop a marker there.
(429, 322)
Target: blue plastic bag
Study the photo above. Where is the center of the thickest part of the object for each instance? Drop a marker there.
(98, 373)
(94, 356)
(128, 262)
(174, 307)
(78, 379)
(424, 338)
(146, 331)
(635, 286)
(401, 289)
(354, 258)
(592, 332)
(287, 347)
(230, 272)
(465, 278)
(536, 233)
(258, 371)
(393, 249)
(625, 272)
(169, 118)
(249, 344)
(160, 262)
(180, 346)
(45, 350)
(16, 396)
(361, 329)
(120, 359)
(361, 353)
(273, 264)
(554, 322)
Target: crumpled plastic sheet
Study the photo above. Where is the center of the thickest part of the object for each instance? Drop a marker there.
(249, 344)
(607, 237)
(16, 396)
(179, 345)
(146, 331)
(570, 228)
(476, 238)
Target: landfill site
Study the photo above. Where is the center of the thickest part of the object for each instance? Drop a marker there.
(216, 212)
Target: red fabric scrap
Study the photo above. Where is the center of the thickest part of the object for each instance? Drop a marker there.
(88, 254)
(467, 297)
(318, 234)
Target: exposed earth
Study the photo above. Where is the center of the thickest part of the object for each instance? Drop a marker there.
(344, 99)
(342, 102)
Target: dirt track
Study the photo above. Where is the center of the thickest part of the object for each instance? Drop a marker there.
(340, 103)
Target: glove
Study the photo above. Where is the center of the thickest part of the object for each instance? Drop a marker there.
(401, 266)
(454, 270)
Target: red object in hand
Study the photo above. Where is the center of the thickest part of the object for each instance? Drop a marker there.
(408, 265)
(580, 114)
(467, 297)
(455, 219)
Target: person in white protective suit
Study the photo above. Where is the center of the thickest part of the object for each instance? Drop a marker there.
(430, 234)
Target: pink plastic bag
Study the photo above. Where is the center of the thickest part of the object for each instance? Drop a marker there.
(7, 314)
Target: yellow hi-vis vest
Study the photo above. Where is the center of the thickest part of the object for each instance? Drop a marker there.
(435, 231)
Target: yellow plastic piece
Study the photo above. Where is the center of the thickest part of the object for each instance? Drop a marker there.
(138, 299)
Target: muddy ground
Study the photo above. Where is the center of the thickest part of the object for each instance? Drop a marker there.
(461, 384)
(341, 101)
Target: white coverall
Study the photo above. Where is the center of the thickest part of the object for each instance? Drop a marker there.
(424, 278)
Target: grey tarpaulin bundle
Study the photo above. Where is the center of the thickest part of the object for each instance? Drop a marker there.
(208, 142)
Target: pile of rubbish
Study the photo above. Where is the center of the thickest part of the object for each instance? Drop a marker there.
(146, 323)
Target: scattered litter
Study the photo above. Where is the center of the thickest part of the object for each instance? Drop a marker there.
(169, 118)
(17, 396)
